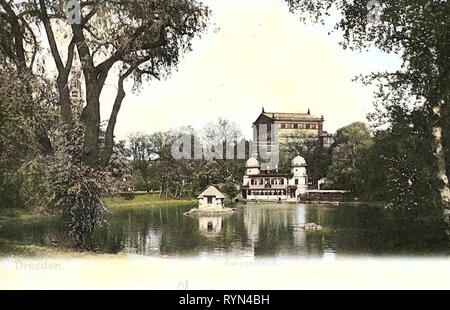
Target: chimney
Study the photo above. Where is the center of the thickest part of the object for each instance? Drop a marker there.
(309, 112)
(263, 109)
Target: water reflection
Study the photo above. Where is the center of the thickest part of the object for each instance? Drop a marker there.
(210, 225)
(255, 230)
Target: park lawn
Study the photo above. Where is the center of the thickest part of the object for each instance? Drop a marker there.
(146, 200)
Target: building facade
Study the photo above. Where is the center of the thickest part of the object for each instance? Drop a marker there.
(269, 185)
(289, 125)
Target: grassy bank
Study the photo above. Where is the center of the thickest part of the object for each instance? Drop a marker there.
(7, 215)
(145, 200)
(12, 248)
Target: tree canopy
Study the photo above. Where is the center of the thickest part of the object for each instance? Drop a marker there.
(419, 32)
(139, 39)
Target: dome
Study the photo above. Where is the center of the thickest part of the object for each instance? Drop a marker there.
(298, 161)
(252, 163)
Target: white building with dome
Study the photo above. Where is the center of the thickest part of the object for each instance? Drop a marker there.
(270, 185)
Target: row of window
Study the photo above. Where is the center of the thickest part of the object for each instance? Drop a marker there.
(298, 126)
(266, 193)
(273, 181)
(267, 181)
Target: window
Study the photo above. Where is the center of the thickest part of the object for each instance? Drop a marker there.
(283, 125)
(282, 181)
(295, 126)
(209, 199)
(313, 126)
(307, 126)
(296, 181)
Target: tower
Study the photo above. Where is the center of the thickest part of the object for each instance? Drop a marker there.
(251, 168)
(300, 177)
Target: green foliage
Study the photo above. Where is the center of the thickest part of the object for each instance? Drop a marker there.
(404, 168)
(350, 143)
(25, 114)
(230, 190)
(63, 184)
(317, 156)
(419, 32)
(155, 169)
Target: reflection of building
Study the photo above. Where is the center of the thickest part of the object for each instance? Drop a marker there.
(210, 224)
(291, 125)
(269, 185)
(258, 220)
(211, 198)
(299, 234)
(143, 242)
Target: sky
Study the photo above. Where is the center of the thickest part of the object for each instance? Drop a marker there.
(255, 54)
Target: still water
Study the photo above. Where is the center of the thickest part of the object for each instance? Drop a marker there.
(261, 230)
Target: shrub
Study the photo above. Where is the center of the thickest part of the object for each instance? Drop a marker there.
(230, 190)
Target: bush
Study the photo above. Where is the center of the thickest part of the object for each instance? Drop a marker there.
(230, 190)
(63, 183)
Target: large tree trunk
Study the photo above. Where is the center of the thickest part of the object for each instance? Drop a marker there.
(91, 120)
(63, 69)
(64, 99)
(445, 170)
(109, 135)
(442, 137)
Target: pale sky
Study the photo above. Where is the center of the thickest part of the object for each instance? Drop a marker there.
(256, 54)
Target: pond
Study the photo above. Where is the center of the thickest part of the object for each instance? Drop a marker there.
(254, 230)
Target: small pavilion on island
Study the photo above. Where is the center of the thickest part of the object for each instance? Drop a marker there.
(211, 198)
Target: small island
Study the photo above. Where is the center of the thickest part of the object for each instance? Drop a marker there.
(210, 201)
